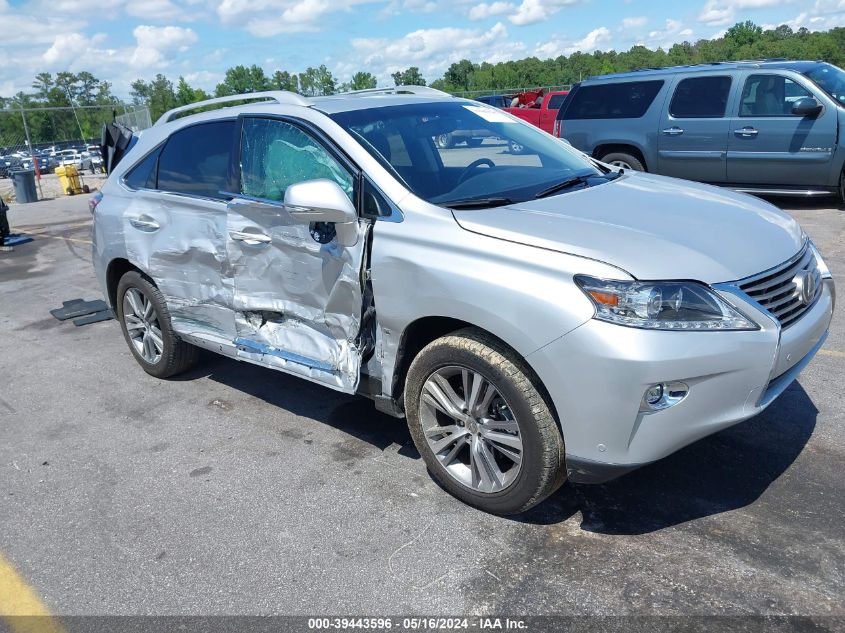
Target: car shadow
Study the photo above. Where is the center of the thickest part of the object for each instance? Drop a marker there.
(722, 472)
(354, 415)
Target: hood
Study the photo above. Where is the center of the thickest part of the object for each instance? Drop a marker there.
(652, 227)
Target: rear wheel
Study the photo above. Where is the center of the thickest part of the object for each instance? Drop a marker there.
(842, 186)
(623, 160)
(145, 321)
(482, 426)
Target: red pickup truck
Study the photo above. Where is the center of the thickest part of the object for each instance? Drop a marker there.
(541, 113)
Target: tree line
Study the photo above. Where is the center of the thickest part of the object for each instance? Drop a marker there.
(744, 40)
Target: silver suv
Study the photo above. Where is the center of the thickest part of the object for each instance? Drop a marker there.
(534, 316)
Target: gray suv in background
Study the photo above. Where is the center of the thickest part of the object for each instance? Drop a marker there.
(769, 127)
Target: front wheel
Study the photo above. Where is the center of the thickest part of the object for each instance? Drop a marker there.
(480, 422)
(623, 160)
(146, 326)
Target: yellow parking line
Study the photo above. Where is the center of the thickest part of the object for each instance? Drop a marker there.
(832, 352)
(18, 599)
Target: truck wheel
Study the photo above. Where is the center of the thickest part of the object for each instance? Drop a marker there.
(480, 422)
(623, 160)
(842, 186)
(145, 321)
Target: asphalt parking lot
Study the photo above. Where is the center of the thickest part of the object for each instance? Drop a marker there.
(238, 490)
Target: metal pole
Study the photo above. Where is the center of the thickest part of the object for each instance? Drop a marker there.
(31, 154)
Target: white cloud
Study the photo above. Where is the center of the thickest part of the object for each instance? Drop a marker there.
(431, 50)
(531, 11)
(267, 18)
(589, 43)
(485, 10)
(155, 42)
(158, 10)
(825, 14)
(634, 22)
(723, 12)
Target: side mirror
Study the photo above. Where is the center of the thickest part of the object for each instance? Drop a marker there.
(806, 106)
(323, 200)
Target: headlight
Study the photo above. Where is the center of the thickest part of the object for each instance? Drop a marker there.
(824, 271)
(662, 305)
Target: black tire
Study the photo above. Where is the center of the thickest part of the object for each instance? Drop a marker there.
(475, 142)
(177, 356)
(621, 157)
(86, 189)
(543, 468)
(842, 187)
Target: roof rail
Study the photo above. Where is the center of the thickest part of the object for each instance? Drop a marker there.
(279, 96)
(396, 90)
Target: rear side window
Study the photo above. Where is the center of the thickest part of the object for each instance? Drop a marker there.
(555, 101)
(196, 160)
(628, 100)
(144, 174)
(700, 97)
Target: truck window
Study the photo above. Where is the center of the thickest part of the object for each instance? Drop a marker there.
(555, 101)
(622, 100)
(770, 95)
(700, 97)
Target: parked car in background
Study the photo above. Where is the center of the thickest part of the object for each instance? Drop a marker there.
(768, 127)
(9, 164)
(45, 164)
(540, 111)
(497, 101)
(533, 317)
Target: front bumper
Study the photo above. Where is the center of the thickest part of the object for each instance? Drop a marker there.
(597, 374)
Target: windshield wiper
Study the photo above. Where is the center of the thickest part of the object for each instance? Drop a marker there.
(575, 180)
(477, 203)
(566, 184)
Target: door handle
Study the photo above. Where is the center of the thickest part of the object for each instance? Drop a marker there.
(746, 131)
(145, 223)
(673, 131)
(251, 239)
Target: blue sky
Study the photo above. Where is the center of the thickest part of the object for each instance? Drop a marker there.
(121, 40)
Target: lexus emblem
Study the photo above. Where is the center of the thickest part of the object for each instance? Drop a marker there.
(805, 286)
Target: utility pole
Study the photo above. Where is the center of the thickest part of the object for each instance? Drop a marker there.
(31, 153)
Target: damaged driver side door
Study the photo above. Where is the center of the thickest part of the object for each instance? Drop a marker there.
(297, 284)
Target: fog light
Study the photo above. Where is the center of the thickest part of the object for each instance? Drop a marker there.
(663, 395)
(654, 394)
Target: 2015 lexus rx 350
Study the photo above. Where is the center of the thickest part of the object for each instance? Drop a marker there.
(533, 316)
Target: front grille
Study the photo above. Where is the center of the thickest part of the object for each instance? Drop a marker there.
(779, 290)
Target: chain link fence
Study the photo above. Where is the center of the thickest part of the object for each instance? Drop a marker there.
(43, 138)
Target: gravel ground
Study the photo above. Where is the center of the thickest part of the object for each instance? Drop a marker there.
(238, 490)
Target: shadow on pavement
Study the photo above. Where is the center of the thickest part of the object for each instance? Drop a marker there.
(353, 415)
(723, 472)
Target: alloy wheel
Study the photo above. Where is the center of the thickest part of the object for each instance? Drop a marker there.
(470, 428)
(141, 322)
(622, 164)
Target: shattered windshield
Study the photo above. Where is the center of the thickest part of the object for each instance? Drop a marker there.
(463, 151)
(830, 79)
